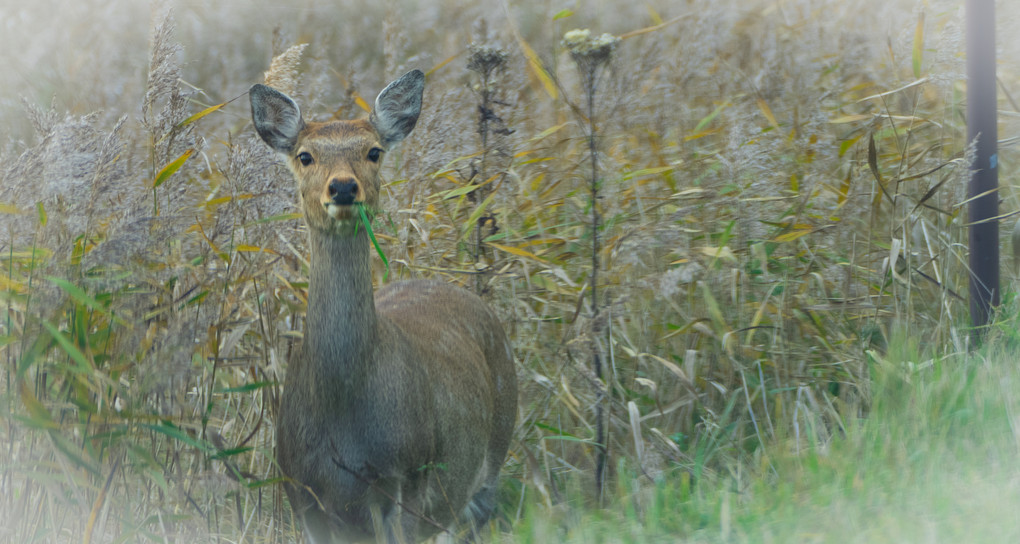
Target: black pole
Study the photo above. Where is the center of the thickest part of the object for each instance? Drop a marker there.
(981, 111)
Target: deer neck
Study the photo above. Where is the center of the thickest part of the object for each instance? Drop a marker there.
(341, 321)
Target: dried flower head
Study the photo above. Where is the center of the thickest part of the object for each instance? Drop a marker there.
(486, 58)
(587, 51)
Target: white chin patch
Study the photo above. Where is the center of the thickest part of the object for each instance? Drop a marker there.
(333, 210)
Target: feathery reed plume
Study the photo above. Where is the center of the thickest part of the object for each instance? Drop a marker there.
(283, 71)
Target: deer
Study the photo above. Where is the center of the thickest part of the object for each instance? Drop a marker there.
(397, 412)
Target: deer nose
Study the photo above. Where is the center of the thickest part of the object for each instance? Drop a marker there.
(343, 191)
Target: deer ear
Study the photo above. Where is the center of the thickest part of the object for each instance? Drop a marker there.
(276, 116)
(397, 108)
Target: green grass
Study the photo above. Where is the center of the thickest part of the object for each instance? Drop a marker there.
(935, 460)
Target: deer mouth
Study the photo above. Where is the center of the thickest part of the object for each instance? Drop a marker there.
(340, 212)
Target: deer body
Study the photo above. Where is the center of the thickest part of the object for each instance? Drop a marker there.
(397, 414)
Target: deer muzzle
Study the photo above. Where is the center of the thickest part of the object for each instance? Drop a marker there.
(342, 192)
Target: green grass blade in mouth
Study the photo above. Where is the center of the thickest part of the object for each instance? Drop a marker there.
(365, 220)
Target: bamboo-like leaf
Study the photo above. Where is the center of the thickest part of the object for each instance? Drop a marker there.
(77, 294)
(246, 388)
(844, 188)
(516, 251)
(721, 252)
(176, 433)
(648, 172)
(710, 117)
(541, 135)
(714, 312)
(83, 298)
(73, 453)
(767, 112)
(442, 63)
(457, 191)
(845, 145)
(918, 50)
(672, 367)
(171, 168)
(562, 14)
(873, 165)
(69, 348)
(654, 15)
(247, 248)
(652, 28)
(931, 192)
(10, 209)
(222, 255)
(230, 452)
(278, 217)
(477, 213)
(38, 413)
(42, 213)
(362, 103)
(212, 203)
(201, 114)
(850, 118)
(538, 68)
(792, 235)
(635, 429)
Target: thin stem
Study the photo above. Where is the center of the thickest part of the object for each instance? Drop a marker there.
(483, 130)
(600, 431)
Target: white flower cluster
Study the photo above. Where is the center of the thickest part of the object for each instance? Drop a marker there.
(581, 44)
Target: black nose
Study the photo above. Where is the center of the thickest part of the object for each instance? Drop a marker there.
(343, 191)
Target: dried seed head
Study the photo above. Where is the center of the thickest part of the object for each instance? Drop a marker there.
(486, 58)
(587, 51)
(283, 72)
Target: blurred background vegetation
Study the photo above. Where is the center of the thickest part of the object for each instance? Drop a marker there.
(778, 231)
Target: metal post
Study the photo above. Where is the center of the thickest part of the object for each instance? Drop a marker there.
(981, 113)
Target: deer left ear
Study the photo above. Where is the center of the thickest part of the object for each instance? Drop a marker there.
(276, 116)
(397, 108)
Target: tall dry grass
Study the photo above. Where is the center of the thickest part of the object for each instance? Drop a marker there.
(778, 185)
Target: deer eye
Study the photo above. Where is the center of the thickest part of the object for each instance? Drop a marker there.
(305, 158)
(374, 154)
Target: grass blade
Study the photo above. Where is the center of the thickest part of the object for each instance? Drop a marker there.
(171, 168)
(371, 235)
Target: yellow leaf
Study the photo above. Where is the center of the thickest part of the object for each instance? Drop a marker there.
(918, 45)
(516, 251)
(723, 252)
(217, 201)
(361, 102)
(850, 119)
(10, 209)
(656, 18)
(793, 235)
(169, 169)
(200, 114)
(767, 112)
(652, 28)
(441, 64)
(252, 249)
(543, 134)
(536, 66)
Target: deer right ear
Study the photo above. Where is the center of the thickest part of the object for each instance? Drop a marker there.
(276, 116)
(397, 108)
